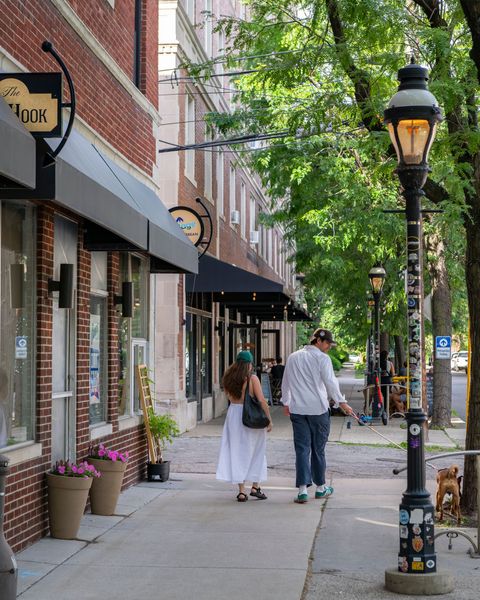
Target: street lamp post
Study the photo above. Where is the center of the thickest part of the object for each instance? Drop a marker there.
(377, 279)
(370, 349)
(412, 117)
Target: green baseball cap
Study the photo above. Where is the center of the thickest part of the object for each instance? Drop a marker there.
(244, 356)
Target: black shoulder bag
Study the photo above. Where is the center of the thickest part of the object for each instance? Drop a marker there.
(253, 415)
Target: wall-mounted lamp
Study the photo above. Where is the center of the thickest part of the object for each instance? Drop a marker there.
(64, 286)
(17, 279)
(126, 299)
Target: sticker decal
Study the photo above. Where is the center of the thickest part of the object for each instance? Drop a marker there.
(428, 518)
(430, 564)
(404, 516)
(418, 566)
(403, 531)
(415, 429)
(403, 564)
(417, 543)
(416, 530)
(416, 516)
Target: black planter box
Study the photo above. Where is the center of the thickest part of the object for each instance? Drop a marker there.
(158, 471)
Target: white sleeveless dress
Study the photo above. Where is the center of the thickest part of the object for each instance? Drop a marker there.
(242, 450)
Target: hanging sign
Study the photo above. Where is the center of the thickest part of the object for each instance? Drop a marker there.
(36, 100)
(190, 223)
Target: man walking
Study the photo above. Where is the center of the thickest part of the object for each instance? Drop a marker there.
(308, 383)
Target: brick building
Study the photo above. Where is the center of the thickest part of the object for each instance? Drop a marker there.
(92, 222)
(244, 294)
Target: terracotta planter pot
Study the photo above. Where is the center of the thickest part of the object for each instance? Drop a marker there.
(106, 489)
(67, 498)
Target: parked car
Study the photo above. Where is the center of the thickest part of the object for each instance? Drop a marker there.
(460, 360)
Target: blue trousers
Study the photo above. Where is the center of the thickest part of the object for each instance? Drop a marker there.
(310, 435)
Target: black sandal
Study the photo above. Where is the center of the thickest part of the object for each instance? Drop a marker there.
(241, 497)
(258, 493)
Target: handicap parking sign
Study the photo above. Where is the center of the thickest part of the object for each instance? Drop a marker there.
(443, 346)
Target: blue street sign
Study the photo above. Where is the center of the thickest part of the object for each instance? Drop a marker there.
(443, 346)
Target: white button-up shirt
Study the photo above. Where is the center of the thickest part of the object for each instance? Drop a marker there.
(309, 381)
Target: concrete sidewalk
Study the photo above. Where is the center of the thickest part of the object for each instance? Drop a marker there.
(189, 538)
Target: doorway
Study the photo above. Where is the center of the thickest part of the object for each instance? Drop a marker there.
(245, 337)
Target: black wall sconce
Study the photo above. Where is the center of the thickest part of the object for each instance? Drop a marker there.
(64, 286)
(220, 328)
(17, 279)
(126, 299)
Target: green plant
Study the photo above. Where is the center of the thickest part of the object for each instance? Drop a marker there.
(337, 365)
(163, 429)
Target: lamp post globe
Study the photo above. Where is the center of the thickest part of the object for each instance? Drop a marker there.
(412, 117)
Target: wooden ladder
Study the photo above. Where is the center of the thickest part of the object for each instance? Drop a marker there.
(146, 401)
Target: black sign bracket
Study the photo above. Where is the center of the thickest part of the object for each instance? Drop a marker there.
(206, 217)
(50, 156)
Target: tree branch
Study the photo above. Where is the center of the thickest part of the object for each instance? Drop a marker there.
(359, 78)
(471, 10)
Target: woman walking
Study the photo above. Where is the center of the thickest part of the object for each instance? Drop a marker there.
(242, 451)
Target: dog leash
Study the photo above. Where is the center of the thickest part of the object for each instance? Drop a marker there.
(377, 432)
(353, 414)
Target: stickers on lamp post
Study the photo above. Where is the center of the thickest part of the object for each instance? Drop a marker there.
(415, 429)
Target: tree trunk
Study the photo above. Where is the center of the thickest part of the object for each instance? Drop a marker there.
(399, 352)
(472, 274)
(441, 325)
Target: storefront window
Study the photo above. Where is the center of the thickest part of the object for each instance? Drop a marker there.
(133, 333)
(17, 314)
(98, 339)
(190, 356)
(206, 356)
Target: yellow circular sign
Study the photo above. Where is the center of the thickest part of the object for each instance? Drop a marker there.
(189, 222)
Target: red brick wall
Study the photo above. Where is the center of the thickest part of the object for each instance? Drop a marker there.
(82, 374)
(101, 101)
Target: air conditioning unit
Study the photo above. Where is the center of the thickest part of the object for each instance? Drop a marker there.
(235, 217)
(254, 237)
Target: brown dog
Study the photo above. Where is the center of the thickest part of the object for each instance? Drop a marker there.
(448, 482)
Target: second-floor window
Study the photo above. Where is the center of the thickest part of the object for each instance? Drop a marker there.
(233, 205)
(189, 136)
(243, 210)
(190, 10)
(220, 184)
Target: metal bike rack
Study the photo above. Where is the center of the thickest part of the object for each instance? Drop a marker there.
(453, 533)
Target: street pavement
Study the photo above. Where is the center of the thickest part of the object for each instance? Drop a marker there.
(189, 538)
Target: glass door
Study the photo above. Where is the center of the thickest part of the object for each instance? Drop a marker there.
(63, 348)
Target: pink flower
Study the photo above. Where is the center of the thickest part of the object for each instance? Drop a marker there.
(101, 452)
(74, 468)
(61, 470)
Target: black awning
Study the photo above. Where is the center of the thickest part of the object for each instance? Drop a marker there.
(17, 151)
(246, 292)
(221, 278)
(121, 212)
